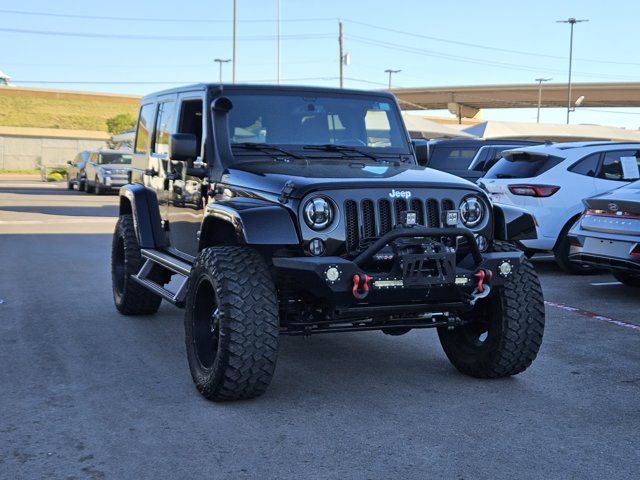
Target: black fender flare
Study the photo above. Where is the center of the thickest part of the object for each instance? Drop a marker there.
(142, 204)
(251, 222)
(513, 224)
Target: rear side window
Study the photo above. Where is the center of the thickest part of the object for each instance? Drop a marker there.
(145, 124)
(611, 168)
(587, 166)
(452, 158)
(523, 165)
(164, 127)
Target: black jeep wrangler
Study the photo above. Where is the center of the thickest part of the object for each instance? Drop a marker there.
(268, 211)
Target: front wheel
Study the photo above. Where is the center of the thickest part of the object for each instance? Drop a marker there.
(69, 183)
(231, 323)
(97, 189)
(505, 330)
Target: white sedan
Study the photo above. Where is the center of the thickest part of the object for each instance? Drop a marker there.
(550, 181)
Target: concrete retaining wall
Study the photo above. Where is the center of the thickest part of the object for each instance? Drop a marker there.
(29, 150)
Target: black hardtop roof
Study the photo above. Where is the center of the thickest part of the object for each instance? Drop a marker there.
(264, 88)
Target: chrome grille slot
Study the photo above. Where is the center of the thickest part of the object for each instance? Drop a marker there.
(400, 205)
(433, 213)
(368, 219)
(351, 225)
(416, 206)
(385, 216)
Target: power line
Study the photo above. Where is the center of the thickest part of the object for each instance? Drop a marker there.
(160, 20)
(463, 59)
(484, 47)
(172, 38)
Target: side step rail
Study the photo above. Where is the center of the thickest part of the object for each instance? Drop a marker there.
(171, 263)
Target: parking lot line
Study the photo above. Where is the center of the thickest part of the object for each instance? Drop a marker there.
(595, 316)
(604, 284)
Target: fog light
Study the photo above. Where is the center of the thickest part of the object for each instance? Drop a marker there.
(451, 218)
(408, 218)
(316, 247)
(482, 242)
(332, 274)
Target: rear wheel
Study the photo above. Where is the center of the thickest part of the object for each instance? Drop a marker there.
(130, 297)
(561, 252)
(505, 330)
(627, 278)
(231, 323)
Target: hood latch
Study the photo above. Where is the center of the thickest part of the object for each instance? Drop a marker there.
(286, 191)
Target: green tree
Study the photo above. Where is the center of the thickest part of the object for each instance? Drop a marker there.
(120, 123)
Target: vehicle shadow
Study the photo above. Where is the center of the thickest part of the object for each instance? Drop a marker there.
(80, 211)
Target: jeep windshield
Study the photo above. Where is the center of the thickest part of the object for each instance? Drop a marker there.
(335, 123)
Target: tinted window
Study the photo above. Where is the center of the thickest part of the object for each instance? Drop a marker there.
(452, 158)
(316, 119)
(587, 166)
(522, 165)
(611, 168)
(164, 124)
(115, 158)
(143, 132)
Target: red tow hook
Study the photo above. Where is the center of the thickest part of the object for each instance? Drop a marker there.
(357, 280)
(482, 275)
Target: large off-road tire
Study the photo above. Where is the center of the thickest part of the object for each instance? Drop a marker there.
(130, 297)
(231, 323)
(627, 278)
(561, 252)
(507, 328)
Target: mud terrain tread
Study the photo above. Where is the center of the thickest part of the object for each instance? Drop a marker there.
(135, 300)
(522, 324)
(249, 325)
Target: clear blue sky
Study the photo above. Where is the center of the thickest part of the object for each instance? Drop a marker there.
(310, 47)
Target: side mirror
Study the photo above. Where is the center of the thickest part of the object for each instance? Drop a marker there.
(182, 146)
(69, 162)
(421, 149)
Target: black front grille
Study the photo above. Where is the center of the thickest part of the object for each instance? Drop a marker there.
(367, 220)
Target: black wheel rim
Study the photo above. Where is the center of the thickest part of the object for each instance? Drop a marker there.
(481, 330)
(119, 272)
(206, 323)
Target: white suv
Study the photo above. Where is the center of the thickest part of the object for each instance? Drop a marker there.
(551, 180)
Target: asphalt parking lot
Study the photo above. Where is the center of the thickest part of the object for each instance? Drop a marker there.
(88, 393)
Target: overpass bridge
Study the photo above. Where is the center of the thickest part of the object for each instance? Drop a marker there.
(466, 101)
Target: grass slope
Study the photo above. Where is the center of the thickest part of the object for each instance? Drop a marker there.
(75, 114)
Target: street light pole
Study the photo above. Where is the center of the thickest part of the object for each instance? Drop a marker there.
(390, 72)
(235, 40)
(278, 38)
(572, 22)
(540, 80)
(220, 61)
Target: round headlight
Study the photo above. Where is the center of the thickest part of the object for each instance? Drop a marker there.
(318, 213)
(472, 212)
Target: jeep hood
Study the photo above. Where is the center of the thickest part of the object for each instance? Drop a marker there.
(271, 176)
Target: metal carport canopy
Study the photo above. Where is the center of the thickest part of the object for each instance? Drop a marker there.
(520, 96)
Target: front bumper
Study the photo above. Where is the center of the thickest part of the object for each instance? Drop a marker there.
(450, 286)
(115, 181)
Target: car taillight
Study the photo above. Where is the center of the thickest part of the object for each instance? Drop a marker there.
(635, 251)
(534, 190)
(607, 213)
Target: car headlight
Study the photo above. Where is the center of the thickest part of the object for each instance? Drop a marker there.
(473, 212)
(107, 172)
(318, 213)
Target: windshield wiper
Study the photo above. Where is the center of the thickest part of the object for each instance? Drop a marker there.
(330, 147)
(265, 147)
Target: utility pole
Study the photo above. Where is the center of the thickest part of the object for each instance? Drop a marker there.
(341, 47)
(278, 38)
(572, 22)
(390, 72)
(235, 40)
(220, 61)
(540, 80)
